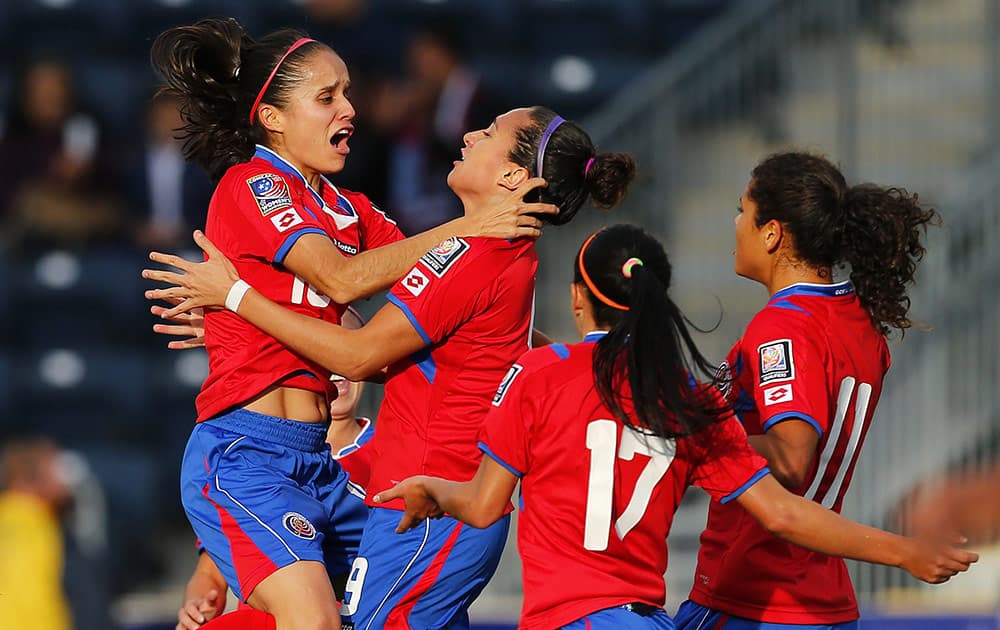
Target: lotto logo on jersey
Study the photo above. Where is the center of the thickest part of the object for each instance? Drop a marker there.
(286, 220)
(505, 384)
(779, 394)
(775, 361)
(415, 281)
(444, 256)
(270, 192)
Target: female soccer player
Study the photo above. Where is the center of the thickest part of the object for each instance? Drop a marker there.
(806, 377)
(457, 321)
(605, 436)
(266, 118)
(205, 592)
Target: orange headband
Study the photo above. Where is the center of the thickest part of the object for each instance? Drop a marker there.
(298, 44)
(590, 283)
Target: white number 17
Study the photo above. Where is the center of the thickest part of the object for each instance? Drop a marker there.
(602, 438)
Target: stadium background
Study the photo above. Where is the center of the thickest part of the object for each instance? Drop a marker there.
(902, 92)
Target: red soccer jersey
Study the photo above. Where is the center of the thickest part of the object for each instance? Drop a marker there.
(597, 498)
(259, 210)
(812, 354)
(470, 299)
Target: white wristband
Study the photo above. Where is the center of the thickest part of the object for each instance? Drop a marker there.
(236, 293)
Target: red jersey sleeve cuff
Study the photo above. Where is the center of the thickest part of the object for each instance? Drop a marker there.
(486, 449)
(757, 476)
(792, 415)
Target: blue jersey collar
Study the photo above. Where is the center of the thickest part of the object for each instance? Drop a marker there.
(595, 335)
(820, 290)
(287, 168)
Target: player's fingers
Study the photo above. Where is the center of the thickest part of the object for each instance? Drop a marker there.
(388, 495)
(158, 275)
(174, 294)
(526, 220)
(177, 331)
(170, 259)
(189, 617)
(158, 310)
(187, 344)
(407, 523)
(528, 186)
(183, 307)
(538, 208)
(532, 232)
(207, 245)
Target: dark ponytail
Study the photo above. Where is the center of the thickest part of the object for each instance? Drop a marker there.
(875, 231)
(882, 244)
(217, 70)
(648, 346)
(572, 169)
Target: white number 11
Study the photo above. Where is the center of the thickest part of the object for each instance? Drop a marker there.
(602, 438)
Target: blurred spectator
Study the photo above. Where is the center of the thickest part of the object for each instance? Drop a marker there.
(51, 159)
(34, 498)
(965, 502)
(441, 99)
(167, 196)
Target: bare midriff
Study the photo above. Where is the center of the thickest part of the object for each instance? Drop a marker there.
(292, 403)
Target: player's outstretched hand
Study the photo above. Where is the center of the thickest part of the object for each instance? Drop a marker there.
(510, 216)
(419, 503)
(936, 563)
(189, 325)
(200, 610)
(200, 285)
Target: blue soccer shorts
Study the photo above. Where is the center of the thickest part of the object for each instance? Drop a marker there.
(691, 616)
(628, 616)
(263, 492)
(425, 578)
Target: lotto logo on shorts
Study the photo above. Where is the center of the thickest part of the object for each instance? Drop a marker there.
(286, 220)
(298, 525)
(779, 394)
(415, 281)
(775, 361)
(270, 192)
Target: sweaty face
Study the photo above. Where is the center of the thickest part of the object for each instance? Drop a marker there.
(750, 251)
(485, 155)
(316, 122)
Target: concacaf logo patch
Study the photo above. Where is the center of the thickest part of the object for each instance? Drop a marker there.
(270, 191)
(442, 257)
(298, 525)
(505, 384)
(775, 361)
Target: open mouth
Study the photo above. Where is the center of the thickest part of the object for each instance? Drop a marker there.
(341, 136)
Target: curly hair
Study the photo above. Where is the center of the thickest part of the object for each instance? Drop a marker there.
(877, 232)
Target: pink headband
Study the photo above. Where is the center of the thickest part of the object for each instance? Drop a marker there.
(586, 169)
(298, 44)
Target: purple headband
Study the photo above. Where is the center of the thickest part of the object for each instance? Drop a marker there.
(551, 129)
(586, 169)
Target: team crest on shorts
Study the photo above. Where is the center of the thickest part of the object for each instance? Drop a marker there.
(298, 525)
(442, 257)
(775, 361)
(270, 191)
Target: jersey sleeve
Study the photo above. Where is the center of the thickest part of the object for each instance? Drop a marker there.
(788, 371)
(266, 217)
(726, 465)
(377, 229)
(504, 436)
(438, 297)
